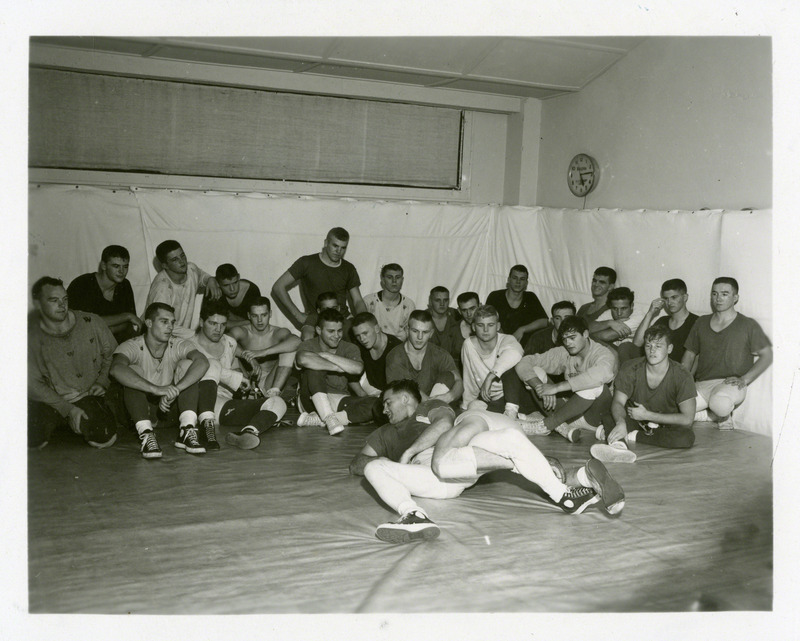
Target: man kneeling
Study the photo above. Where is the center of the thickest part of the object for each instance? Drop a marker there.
(424, 452)
(654, 402)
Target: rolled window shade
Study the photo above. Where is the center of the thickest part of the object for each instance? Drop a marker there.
(109, 123)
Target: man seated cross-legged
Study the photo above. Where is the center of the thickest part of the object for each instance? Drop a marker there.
(253, 415)
(329, 370)
(583, 399)
(145, 367)
(272, 347)
(374, 345)
(654, 402)
(430, 366)
(426, 452)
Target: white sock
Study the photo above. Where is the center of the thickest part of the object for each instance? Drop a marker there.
(322, 404)
(631, 437)
(512, 410)
(583, 479)
(205, 415)
(187, 417)
(409, 506)
(143, 426)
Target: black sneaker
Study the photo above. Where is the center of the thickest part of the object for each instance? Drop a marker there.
(187, 440)
(606, 486)
(208, 434)
(150, 448)
(577, 499)
(245, 439)
(414, 526)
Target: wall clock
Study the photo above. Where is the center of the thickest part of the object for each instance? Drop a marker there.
(583, 174)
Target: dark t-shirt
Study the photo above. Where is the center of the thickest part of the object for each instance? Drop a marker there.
(375, 369)
(450, 338)
(679, 335)
(336, 382)
(435, 365)
(316, 277)
(240, 310)
(676, 387)
(392, 440)
(583, 312)
(85, 295)
(725, 353)
(540, 341)
(511, 319)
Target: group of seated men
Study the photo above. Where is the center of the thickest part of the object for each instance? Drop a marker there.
(508, 369)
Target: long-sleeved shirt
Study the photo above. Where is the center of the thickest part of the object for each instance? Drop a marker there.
(506, 354)
(598, 367)
(62, 367)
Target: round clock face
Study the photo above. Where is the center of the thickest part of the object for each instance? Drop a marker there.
(582, 175)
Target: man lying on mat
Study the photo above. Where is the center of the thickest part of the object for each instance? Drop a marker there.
(423, 452)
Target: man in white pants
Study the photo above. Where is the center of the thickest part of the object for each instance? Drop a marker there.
(424, 452)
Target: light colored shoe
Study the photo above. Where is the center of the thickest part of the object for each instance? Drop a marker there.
(334, 424)
(617, 453)
(726, 423)
(569, 432)
(310, 419)
(600, 433)
(534, 428)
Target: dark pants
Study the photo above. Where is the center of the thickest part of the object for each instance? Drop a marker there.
(360, 409)
(513, 392)
(242, 412)
(669, 436)
(594, 411)
(99, 427)
(144, 407)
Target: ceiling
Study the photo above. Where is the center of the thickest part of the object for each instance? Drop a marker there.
(523, 67)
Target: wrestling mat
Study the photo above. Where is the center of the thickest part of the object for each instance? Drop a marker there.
(285, 529)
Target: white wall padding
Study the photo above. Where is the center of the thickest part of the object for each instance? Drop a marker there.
(460, 246)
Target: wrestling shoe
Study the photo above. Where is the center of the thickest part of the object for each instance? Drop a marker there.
(208, 434)
(570, 432)
(245, 439)
(534, 428)
(611, 493)
(334, 424)
(557, 468)
(414, 526)
(150, 448)
(187, 440)
(310, 419)
(616, 453)
(577, 499)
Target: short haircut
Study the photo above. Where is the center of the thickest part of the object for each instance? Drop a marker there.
(114, 251)
(608, 273)
(40, 284)
(152, 310)
(165, 248)
(571, 324)
(674, 284)
(403, 385)
(464, 298)
(326, 296)
(422, 315)
(261, 301)
(440, 289)
(621, 293)
(563, 304)
(226, 271)
(212, 307)
(518, 268)
(330, 315)
(658, 331)
(485, 311)
(391, 267)
(339, 233)
(365, 317)
(727, 280)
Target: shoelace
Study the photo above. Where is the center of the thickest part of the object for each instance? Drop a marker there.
(211, 434)
(577, 492)
(191, 436)
(149, 442)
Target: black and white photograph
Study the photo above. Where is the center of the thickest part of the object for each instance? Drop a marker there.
(354, 329)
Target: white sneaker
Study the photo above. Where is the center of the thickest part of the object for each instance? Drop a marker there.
(569, 432)
(616, 453)
(334, 424)
(310, 419)
(533, 428)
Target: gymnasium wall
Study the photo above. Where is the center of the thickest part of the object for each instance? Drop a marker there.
(464, 247)
(678, 123)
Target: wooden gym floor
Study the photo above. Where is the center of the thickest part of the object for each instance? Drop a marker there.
(285, 529)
